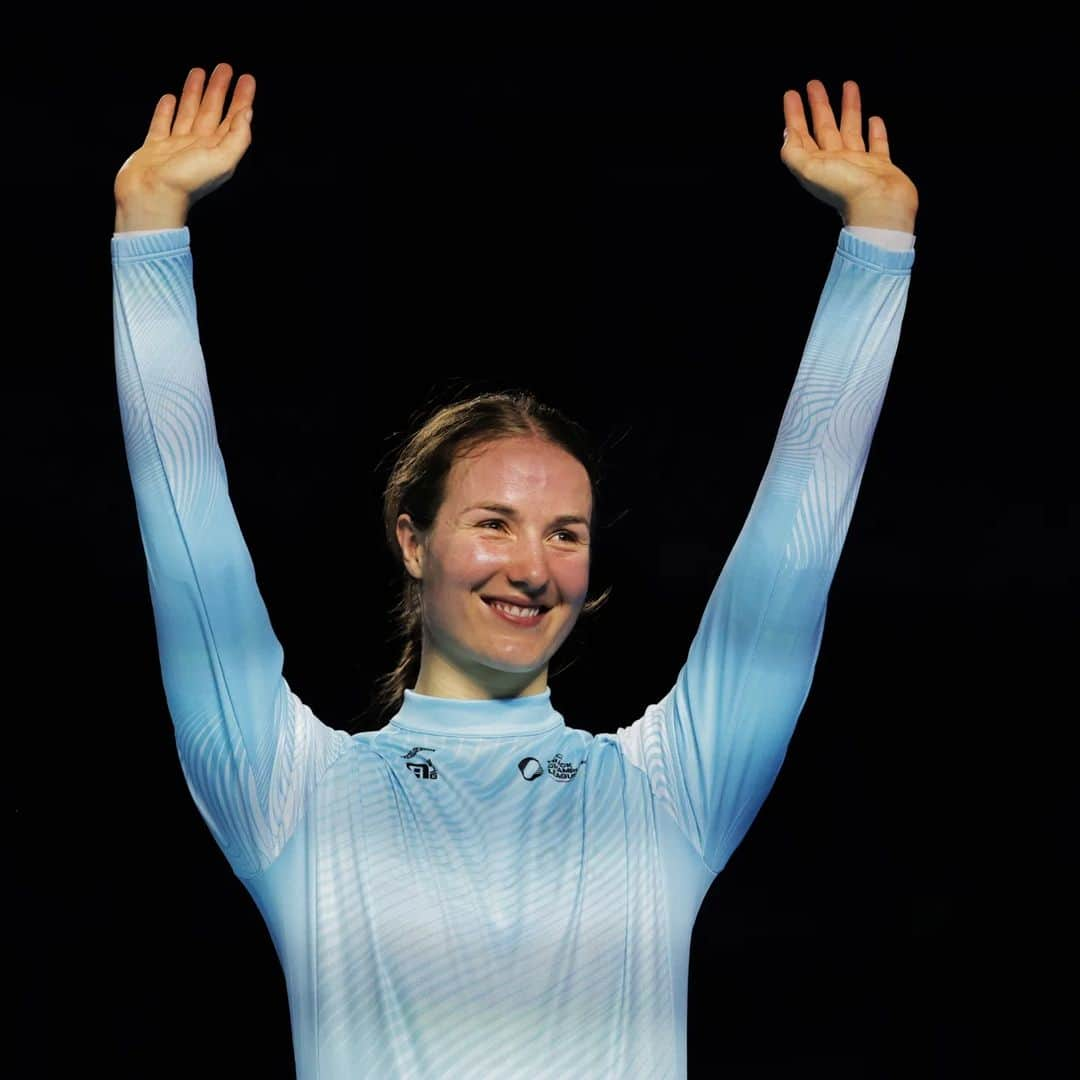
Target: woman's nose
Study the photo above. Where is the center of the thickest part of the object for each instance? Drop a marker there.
(527, 569)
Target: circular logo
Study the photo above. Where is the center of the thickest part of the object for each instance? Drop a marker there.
(530, 768)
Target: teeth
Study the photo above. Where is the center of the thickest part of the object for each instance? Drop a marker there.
(514, 609)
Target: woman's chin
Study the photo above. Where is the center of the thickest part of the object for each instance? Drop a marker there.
(511, 666)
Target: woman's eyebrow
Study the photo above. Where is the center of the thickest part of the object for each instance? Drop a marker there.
(509, 511)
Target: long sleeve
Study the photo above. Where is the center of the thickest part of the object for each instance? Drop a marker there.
(249, 749)
(712, 747)
(896, 239)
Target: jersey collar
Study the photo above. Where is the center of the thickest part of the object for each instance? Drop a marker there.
(493, 717)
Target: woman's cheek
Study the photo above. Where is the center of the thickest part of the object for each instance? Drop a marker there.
(575, 580)
(481, 559)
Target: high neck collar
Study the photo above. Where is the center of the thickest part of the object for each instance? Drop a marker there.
(527, 715)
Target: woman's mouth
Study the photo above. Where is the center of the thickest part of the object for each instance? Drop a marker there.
(519, 616)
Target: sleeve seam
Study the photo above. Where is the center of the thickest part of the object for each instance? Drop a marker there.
(302, 816)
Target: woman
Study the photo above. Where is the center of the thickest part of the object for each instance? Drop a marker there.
(476, 888)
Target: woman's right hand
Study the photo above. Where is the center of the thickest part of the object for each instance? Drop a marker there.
(184, 159)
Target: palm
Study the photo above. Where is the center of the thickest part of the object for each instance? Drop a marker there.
(833, 164)
(196, 152)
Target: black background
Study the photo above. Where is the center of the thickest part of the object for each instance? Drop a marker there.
(599, 213)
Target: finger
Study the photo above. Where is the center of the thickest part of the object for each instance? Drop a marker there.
(851, 117)
(879, 137)
(795, 121)
(238, 138)
(243, 98)
(825, 130)
(189, 101)
(161, 121)
(209, 115)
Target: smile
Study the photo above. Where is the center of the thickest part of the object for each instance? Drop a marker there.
(519, 616)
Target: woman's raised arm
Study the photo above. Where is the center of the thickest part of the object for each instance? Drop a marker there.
(713, 746)
(250, 750)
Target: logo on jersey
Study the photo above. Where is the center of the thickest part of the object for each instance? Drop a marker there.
(424, 769)
(560, 770)
(530, 768)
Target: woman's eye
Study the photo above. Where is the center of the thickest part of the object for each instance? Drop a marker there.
(563, 533)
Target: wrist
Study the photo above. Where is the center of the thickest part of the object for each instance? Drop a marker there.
(880, 215)
(133, 215)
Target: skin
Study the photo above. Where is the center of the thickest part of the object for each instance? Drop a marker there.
(833, 164)
(187, 155)
(468, 650)
(193, 146)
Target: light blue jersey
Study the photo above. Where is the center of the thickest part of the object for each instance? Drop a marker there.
(477, 889)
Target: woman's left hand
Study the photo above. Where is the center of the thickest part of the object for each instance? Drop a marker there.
(864, 186)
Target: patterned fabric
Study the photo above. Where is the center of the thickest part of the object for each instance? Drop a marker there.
(478, 889)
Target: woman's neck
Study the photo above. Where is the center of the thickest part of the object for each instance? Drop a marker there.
(440, 678)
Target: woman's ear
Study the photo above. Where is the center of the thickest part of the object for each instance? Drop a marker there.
(411, 542)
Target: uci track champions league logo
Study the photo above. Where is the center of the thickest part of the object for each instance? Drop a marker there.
(558, 769)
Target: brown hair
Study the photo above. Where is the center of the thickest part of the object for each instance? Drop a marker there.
(417, 486)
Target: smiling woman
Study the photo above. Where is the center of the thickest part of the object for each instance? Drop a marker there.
(511, 456)
(478, 888)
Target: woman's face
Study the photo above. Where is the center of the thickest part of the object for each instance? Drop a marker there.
(514, 524)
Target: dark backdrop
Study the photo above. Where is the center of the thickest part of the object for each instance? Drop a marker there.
(427, 211)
